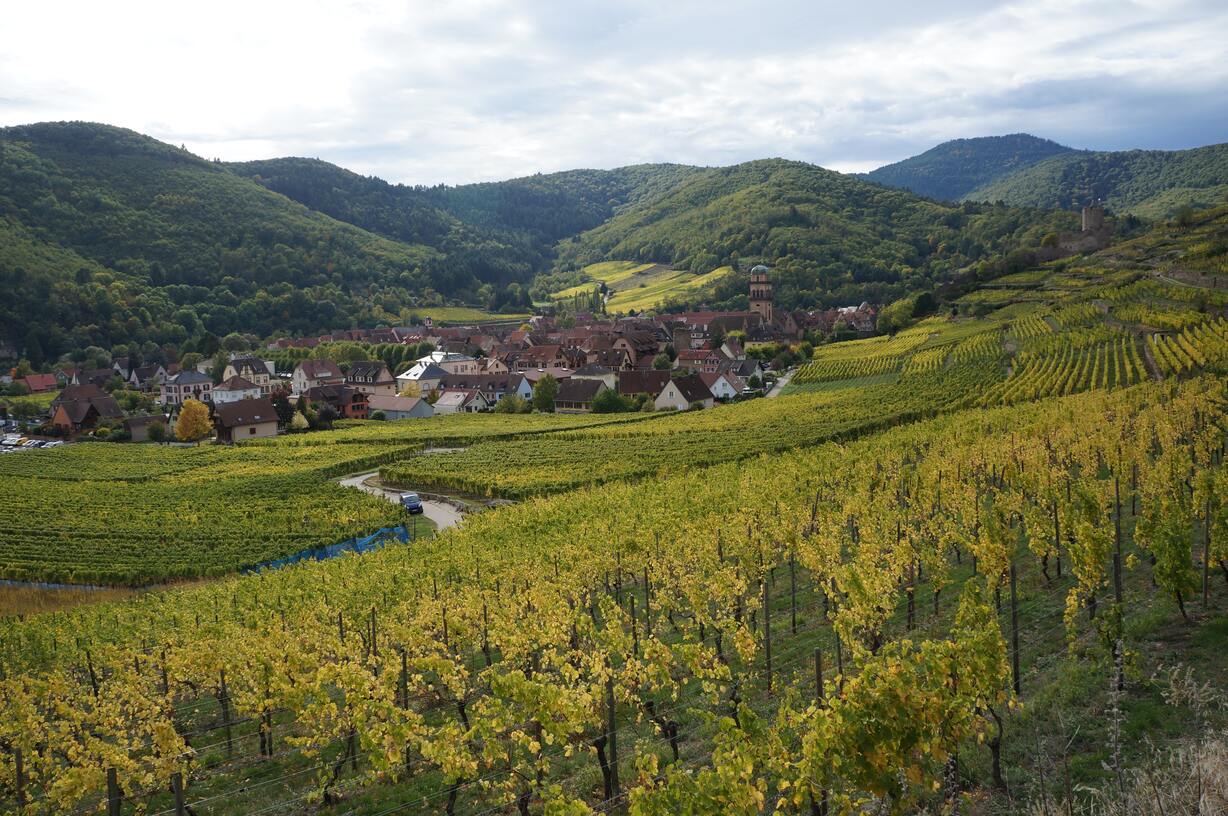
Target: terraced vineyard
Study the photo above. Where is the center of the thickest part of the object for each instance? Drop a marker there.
(132, 514)
(826, 602)
(1071, 362)
(677, 614)
(569, 459)
(862, 358)
(448, 430)
(640, 286)
(1197, 347)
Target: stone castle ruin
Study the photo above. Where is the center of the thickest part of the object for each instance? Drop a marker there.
(1094, 235)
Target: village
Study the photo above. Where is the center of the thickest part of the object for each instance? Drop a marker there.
(579, 363)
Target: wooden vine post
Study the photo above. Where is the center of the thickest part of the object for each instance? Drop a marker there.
(115, 798)
(767, 633)
(612, 734)
(1014, 633)
(177, 790)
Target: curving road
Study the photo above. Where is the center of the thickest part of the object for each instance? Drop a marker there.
(780, 384)
(443, 514)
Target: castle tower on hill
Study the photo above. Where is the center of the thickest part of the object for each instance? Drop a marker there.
(761, 292)
(1093, 217)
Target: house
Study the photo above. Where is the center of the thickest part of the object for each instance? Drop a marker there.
(82, 406)
(399, 407)
(313, 373)
(534, 375)
(138, 426)
(371, 377)
(635, 382)
(147, 376)
(699, 361)
(187, 385)
(744, 369)
(256, 371)
(426, 378)
(122, 367)
(492, 365)
(732, 349)
(450, 362)
(40, 383)
(641, 347)
(494, 387)
(461, 401)
(346, 400)
(724, 386)
(97, 376)
(245, 419)
(234, 389)
(575, 396)
(611, 358)
(684, 393)
(596, 372)
(537, 356)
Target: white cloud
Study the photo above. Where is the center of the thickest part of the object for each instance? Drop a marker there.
(467, 90)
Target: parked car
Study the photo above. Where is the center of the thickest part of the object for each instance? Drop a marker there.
(412, 503)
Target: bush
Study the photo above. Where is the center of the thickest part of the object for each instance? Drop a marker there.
(513, 404)
(610, 401)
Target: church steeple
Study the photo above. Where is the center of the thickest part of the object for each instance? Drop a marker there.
(761, 292)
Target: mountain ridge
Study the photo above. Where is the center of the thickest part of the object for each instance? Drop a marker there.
(950, 170)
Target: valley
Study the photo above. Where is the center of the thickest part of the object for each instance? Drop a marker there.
(969, 555)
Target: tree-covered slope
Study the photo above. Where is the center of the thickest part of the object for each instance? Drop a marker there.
(952, 169)
(200, 250)
(1147, 183)
(498, 231)
(830, 237)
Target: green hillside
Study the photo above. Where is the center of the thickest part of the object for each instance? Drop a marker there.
(977, 567)
(830, 237)
(498, 232)
(631, 286)
(127, 240)
(1146, 183)
(951, 170)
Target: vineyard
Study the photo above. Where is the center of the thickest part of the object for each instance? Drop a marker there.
(1071, 362)
(976, 567)
(779, 633)
(129, 514)
(1202, 345)
(530, 467)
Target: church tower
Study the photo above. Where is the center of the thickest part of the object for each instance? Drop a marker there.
(761, 292)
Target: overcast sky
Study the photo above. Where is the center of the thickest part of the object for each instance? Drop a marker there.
(467, 90)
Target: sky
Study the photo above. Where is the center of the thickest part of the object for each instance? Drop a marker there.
(456, 91)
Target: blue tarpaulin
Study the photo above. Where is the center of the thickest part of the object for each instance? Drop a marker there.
(356, 545)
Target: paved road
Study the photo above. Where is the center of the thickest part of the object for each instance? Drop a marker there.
(779, 385)
(443, 514)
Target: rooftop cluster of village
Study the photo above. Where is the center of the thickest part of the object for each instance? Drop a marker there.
(577, 364)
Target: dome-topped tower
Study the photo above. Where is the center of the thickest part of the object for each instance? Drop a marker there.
(761, 292)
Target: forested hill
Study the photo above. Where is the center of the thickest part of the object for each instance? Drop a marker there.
(951, 170)
(1148, 183)
(502, 231)
(107, 236)
(831, 238)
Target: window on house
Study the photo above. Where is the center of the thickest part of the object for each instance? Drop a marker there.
(252, 431)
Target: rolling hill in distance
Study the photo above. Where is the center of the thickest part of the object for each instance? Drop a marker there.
(1025, 171)
(952, 170)
(112, 237)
